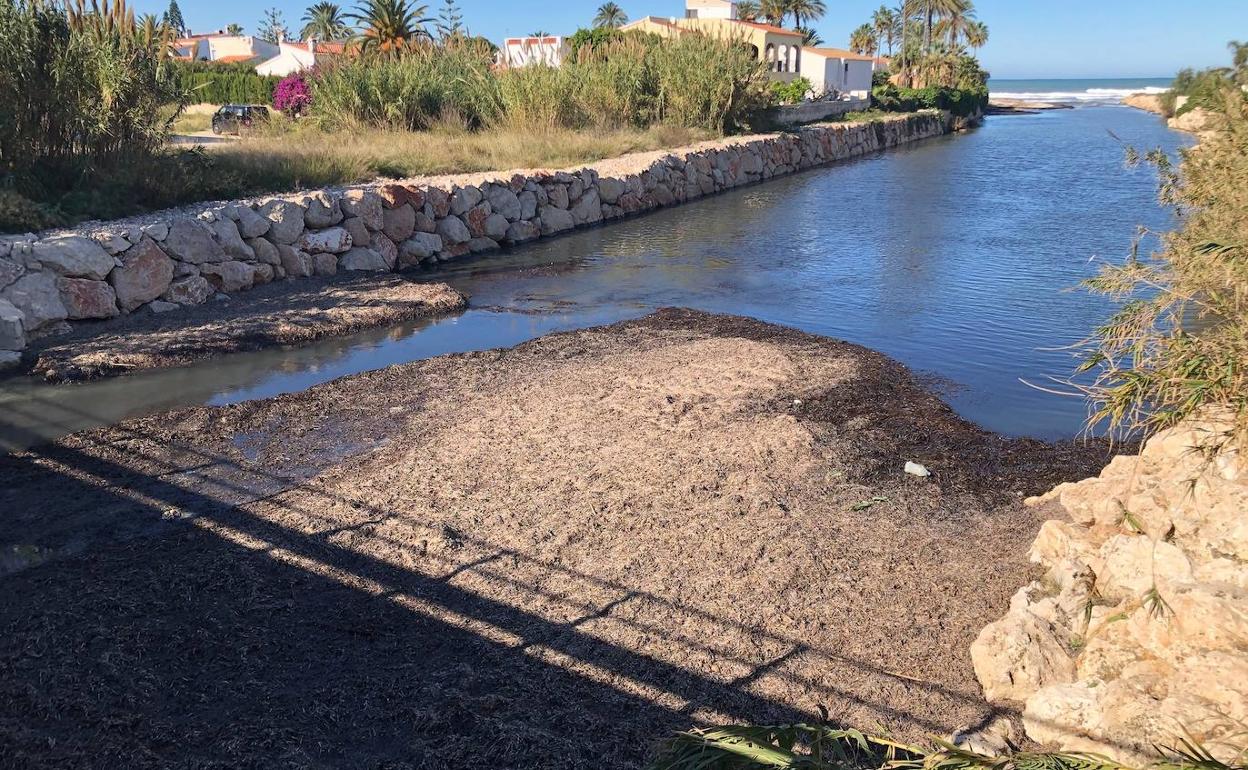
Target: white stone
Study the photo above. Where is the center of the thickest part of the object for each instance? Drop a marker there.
(37, 296)
(12, 335)
(285, 220)
(191, 290)
(192, 241)
(419, 247)
(364, 259)
(1017, 655)
(556, 220)
(453, 230)
(73, 256)
(334, 240)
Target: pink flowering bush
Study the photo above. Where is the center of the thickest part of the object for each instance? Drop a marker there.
(292, 95)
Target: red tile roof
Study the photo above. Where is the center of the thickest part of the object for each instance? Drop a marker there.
(769, 28)
(838, 53)
(322, 46)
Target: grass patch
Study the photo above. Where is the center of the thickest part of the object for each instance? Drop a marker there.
(191, 123)
(291, 158)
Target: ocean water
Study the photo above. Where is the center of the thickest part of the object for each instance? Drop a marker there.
(1076, 91)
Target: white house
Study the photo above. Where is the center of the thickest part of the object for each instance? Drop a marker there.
(220, 47)
(710, 9)
(523, 51)
(296, 57)
(835, 70)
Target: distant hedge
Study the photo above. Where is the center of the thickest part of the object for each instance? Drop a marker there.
(226, 83)
(959, 101)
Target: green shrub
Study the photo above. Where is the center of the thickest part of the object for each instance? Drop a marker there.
(413, 91)
(792, 92)
(235, 83)
(80, 92)
(1178, 344)
(20, 214)
(961, 102)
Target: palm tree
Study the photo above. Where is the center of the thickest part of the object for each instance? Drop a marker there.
(539, 33)
(774, 11)
(977, 35)
(810, 38)
(610, 15)
(934, 9)
(955, 21)
(862, 40)
(324, 21)
(806, 10)
(884, 23)
(748, 10)
(234, 29)
(389, 25)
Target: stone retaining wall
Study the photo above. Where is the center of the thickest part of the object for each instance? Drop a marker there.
(47, 282)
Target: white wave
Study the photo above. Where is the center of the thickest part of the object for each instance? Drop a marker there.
(1090, 96)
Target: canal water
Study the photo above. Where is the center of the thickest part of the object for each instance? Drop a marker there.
(959, 256)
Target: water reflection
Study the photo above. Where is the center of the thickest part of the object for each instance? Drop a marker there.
(954, 256)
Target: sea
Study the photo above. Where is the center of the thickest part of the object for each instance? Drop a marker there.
(1075, 91)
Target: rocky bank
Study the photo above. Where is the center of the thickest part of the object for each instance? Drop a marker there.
(1137, 628)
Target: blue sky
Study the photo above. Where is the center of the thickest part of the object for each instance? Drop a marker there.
(1029, 38)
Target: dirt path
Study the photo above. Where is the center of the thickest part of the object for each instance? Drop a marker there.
(275, 314)
(548, 556)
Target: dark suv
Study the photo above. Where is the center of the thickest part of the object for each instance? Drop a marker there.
(234, 118)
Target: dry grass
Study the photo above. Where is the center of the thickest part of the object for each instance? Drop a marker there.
(287, 158)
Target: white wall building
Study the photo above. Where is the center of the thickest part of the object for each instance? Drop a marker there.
(220, 47)
(710, 9)
(523, 51)
(835, 70)
(296, 57)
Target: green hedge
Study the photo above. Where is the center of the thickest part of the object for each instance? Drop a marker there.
(961, 102)
(226, 83)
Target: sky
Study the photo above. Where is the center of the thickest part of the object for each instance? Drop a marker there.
(1028, 38)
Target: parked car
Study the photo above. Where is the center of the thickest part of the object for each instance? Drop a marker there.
(235, 118)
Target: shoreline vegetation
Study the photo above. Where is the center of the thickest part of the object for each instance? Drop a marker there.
(403, 103)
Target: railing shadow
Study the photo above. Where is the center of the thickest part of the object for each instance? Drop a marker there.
(191, 621)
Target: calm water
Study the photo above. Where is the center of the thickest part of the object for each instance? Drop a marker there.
(956, 256)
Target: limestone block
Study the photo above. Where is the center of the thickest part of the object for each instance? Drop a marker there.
(73, 257)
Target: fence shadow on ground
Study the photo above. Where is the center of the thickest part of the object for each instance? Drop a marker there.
(174, 626)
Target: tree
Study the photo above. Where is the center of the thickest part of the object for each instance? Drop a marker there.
(884, 23)
(610, 15)
(234, 29)
(748, 10)
(390, 25)
(977, 35)
(862, 40)
(273, 27)
(450, 20)
(955, 22)
(539, 33)
(774, 11)
(806, 10)
(810, 38)
(324, 21)
(173, 18)
(937, 9)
